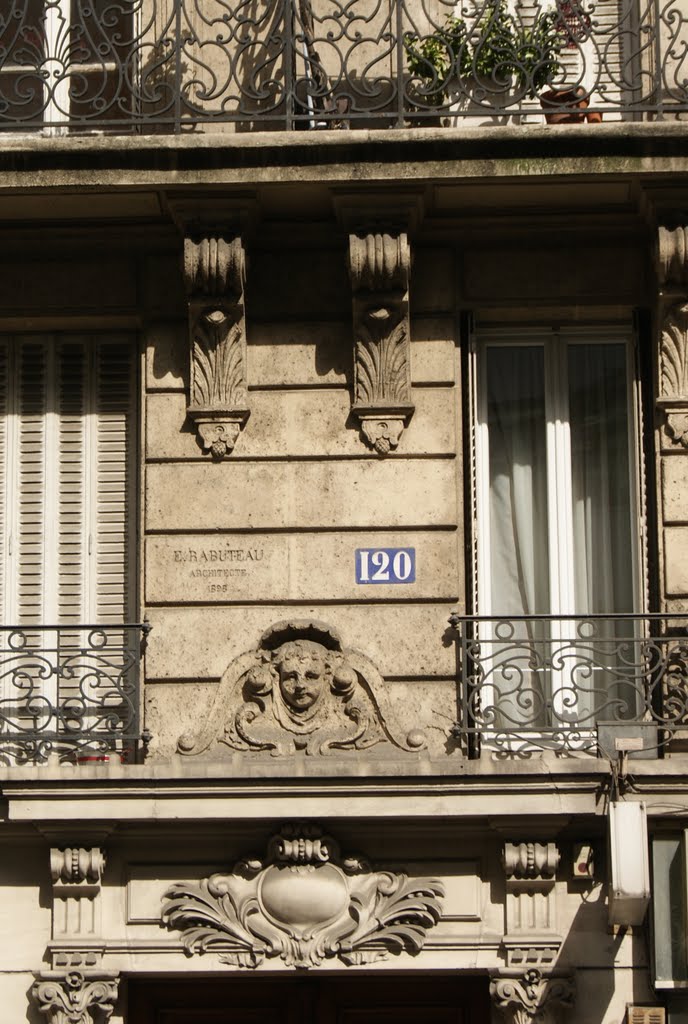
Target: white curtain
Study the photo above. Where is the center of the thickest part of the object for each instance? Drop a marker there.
(586, 391)
(519, 555)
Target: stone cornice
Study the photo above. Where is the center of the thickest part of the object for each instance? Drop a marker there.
(34, 163)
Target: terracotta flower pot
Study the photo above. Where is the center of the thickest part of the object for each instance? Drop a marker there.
(575, 100)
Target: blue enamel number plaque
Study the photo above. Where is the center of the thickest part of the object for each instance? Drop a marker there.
(385, 565)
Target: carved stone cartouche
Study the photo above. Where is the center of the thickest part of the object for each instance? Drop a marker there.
(214, 274)
(75, 999)
(303, 903)
(379, 264)
(299, 691)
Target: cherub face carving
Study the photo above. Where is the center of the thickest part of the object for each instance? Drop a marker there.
(303, 674)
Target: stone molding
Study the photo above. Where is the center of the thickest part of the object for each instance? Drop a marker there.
(533, 998)
(303, 903)
(214, 275)
(74, 998)
(379, 268)
(530, 937)
(672, 271)
(300, 691)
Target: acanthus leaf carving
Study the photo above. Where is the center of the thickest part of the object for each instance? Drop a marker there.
(379, 265)
(303, 903)
(673, 390)
(674, 354)
(299, 691)
(533, 998)
(214, 272)
(75, 999)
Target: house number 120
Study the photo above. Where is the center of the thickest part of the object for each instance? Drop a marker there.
(386, 565)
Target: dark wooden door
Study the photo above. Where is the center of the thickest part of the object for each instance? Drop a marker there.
(354, 999)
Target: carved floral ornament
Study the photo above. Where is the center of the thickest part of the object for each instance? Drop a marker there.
(75, 999)
(303, 902)
(379, 265)
(299, 691)
(533, 998)
(214, 274)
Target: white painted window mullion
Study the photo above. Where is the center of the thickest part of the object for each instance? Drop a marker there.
(57, 29)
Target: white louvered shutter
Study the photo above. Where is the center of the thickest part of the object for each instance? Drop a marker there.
(114, 498)
(72, 510)
(66, 479)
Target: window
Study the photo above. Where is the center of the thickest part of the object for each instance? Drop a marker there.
(67, 546)
(558, 528)
(66, 476)
(65, 60)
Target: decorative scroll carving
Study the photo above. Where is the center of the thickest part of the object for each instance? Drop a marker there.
(303, 903)
(76, 919)
(672, 256)
(532, 998)
(379, 264)
(77, 867)
(530, 860)
(530, 907)
(74, 999)
(214, 274)
(299, 691)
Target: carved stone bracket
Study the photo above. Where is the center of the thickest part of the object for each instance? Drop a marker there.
(672, 270)
(303, 903)
(530, 937)
(74, 998)
(533, 998)
(214, 275)
(300, 691)
(379, 266)
(76, 919)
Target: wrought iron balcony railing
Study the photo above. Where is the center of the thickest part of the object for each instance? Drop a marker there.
(70, 691)
(568, 683)
(173, 65)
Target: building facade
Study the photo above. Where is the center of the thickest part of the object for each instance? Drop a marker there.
(343, 515)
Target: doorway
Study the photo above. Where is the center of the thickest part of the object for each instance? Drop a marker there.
(357, 999)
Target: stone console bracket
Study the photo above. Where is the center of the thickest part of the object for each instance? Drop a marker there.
(214, 267)
(672, 273)
(76, 940)
(379, 264)
(530, 938)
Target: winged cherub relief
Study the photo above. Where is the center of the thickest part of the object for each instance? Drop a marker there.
(299, 691)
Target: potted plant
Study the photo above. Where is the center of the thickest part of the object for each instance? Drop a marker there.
(497, 55)
(437, 59)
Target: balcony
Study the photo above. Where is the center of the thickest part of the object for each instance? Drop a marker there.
(598, 684)
(70, 692)
(161, 66)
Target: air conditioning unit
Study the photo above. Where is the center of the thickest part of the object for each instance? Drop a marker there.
(629, 863)
(645, 1015)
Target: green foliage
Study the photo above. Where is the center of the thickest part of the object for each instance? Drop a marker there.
(438, 58)
(499, 47)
